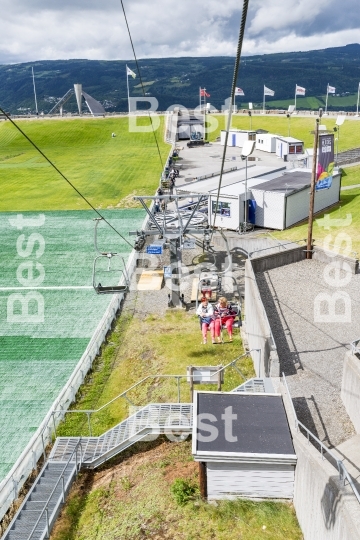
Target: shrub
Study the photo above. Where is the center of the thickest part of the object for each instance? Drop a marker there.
(183, 491)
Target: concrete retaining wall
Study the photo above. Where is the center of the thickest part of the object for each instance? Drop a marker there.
(257, 327)
(338, 260)
(288, 256)
(350, 388)
(325, 508)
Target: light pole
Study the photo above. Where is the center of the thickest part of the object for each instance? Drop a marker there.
(288, 116)
(312, 189)
(250, 115)
(247, 149)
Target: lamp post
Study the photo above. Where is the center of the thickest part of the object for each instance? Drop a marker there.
(288, 116)
(250, 115)
(337, 129)
(312, 189)
(247, 149)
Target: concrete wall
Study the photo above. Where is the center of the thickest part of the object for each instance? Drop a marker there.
(338, 260)
(287, 256)
(350, 388)
(325, 508)
(257, 327)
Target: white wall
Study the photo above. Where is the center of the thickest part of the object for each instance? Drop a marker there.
(229, 480)
(266, 142)
(297, 205)
(269, 209)
(236, 212)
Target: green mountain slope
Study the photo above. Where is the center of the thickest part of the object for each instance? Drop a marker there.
(177, 80)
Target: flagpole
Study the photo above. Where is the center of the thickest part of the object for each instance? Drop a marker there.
(357, 105)
(327, 94)
(295, 97)
(36, 105)
(127, 82)
(264, 102)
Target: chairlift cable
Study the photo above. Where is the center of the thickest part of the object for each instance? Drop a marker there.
(233, 86)
(62, 175)
(141, 82)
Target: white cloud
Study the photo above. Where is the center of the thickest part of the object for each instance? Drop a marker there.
(40, 29)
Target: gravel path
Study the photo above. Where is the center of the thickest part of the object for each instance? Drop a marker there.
(311, 353)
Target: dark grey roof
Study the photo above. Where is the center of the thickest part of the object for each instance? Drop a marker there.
(261, 426)
(287, 183)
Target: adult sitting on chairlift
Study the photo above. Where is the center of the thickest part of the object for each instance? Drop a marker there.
(206, 313)
(224, 314)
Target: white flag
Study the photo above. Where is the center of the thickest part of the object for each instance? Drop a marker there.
(331, 89)
(300, 91)
(268, 92)
(130, 72)
(239, 92)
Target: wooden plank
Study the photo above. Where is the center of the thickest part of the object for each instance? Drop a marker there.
(151, 280)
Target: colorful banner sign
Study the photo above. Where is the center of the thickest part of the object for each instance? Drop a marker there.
(325, 166)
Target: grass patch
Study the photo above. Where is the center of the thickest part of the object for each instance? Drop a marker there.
(300, 128)
(146, 507)
(105, 169)
(167, 346)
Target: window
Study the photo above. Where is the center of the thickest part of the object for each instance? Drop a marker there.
(291, 149)
(252, 137)
(299, 149)
(223, 208)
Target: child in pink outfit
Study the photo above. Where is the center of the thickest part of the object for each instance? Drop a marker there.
(206, 313)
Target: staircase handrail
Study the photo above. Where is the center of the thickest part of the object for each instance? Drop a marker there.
(343, 473)
(56, 485)
(158, 376)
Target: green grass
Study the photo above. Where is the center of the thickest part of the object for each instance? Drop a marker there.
(134, 501)
(104, 169)
(127, 359)
(314, 102)
(299, 127)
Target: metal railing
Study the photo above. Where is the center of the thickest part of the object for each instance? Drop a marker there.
(27, 461)
(324, 450)
(177, 378)
(281, 245)
(61, 478)
(355, 346)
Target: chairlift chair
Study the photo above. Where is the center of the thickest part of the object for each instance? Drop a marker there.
(123, 281)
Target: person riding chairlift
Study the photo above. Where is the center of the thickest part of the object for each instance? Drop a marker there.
(224, 314)
(206, 314)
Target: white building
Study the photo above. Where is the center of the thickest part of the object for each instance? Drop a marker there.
(288, 146)
(237, 137)
(284, 201)
(266, 142)
(245, 449)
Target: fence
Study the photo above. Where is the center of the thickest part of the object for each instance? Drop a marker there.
(325, 452)
(162, 393)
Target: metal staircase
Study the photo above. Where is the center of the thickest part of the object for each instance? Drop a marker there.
(256, 385)
(40, 508)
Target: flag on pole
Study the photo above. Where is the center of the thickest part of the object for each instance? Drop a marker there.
(299, 91)
(331, 89)
(130, 72)
(268, 92)
(239, 92)
(203, 92)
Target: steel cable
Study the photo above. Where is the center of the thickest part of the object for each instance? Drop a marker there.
(233, 86)
(62, 175)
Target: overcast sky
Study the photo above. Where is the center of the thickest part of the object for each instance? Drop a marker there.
(93, 29)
